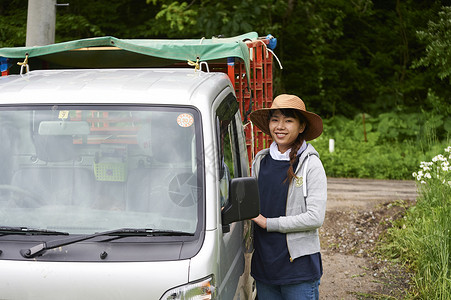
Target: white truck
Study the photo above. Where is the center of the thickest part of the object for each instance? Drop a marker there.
(123, 183)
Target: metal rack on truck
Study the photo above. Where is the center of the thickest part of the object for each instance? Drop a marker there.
(247, 60)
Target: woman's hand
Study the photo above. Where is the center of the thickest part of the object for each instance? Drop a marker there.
(260, 221)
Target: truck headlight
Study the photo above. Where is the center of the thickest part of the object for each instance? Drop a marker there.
(197, 290)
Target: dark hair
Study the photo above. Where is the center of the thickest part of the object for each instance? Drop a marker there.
(293, 113)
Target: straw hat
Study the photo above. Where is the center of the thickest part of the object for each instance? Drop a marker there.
(314, 127)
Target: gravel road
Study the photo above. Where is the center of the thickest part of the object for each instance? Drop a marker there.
(358, 211)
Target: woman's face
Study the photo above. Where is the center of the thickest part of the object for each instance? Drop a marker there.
(284, 130)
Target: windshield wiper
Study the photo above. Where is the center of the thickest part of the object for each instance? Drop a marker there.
(122, 232)
(7, 230)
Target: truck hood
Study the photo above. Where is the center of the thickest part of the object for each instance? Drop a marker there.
(62, 280)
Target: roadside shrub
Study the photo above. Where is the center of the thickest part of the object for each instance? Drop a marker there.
(422, 239)
(385, 147)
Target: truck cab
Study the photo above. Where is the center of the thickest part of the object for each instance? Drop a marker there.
(123, 183)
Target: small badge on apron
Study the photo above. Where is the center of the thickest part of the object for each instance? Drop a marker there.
(299, 181)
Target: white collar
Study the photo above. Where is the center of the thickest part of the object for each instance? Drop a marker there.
(277, 155)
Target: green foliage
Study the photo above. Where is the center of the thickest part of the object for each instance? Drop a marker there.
(13, 23)
(213, 18)
(438, 39)
(72, 26)
(118, 18)
(178, 15)
(351, 56)
(342, 57)
(394, 144)
(422, 239)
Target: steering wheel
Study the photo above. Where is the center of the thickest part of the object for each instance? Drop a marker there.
(28, 199)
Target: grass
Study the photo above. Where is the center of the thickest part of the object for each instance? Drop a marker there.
(373, 296)
(422, 239)
(376, 152)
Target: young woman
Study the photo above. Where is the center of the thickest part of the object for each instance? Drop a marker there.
(286, 263)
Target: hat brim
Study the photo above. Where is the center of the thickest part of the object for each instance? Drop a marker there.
(314, 128)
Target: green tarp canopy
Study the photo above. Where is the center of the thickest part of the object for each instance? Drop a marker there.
(134, 52)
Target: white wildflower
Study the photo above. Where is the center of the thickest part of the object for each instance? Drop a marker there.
(436, 168)
(425, 164)
(439, 157)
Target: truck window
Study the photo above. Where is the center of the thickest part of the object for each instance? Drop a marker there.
(229, 162)
(85, 169)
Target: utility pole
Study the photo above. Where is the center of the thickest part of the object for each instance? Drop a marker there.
(41, 22)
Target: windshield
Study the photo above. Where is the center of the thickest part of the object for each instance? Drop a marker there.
(86, 169)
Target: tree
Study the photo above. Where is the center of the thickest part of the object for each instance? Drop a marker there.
(437, 58)
(437, 37)
(342, 57)
(13, 23)
(212, 18)
(349, 57)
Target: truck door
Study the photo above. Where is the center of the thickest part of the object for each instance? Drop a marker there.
(233, 163)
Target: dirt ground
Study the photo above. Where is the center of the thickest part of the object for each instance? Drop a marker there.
(358, 211)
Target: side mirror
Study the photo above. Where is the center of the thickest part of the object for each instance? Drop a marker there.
(244, 200)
